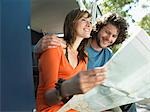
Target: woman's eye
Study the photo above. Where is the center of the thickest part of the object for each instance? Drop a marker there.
(90, 22)
(83, 20)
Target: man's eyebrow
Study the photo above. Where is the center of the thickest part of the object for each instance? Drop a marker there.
(107, 28)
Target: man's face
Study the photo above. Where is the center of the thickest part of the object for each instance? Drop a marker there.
(107, 36)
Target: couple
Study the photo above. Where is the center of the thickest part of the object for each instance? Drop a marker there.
(63, 67)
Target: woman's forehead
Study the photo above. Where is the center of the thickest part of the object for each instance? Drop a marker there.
(86, 15)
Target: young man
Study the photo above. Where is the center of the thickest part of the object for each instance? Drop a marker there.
(110, 30)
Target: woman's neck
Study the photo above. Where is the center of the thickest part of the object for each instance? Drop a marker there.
(72, 54)
(76, 44)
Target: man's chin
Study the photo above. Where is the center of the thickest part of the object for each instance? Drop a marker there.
(104, 46)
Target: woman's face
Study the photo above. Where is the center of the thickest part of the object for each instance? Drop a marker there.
(83, 27)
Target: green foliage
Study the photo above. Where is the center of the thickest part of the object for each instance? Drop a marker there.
(116, 6)
(145, 23)
(115, 48)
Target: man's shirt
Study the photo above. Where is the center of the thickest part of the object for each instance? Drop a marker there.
(98, 58)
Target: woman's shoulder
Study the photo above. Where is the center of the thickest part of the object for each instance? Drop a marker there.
(58, 50)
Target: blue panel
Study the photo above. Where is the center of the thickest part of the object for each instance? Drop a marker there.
(0, 53)
(17, 93)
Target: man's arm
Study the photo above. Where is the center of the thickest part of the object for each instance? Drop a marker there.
(48, 41)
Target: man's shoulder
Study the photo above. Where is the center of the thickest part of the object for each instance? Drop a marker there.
(108, 50)
(108, 53)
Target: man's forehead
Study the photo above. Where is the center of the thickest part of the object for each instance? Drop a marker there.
(109, 25)
(111, 28)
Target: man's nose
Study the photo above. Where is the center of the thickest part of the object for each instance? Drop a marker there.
(110, 38)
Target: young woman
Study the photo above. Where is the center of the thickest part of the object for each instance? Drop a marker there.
(63, 71)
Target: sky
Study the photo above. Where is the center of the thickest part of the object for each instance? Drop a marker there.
(138, 12)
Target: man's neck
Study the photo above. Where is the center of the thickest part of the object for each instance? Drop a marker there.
(95, 46)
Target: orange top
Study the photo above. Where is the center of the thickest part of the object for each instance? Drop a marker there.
(53, 65)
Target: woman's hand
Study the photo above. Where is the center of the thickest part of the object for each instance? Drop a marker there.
(83, 82)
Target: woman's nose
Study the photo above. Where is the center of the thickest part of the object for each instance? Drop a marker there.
(88, 23)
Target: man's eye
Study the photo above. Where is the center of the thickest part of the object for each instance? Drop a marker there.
(107, 32)
(115, 36)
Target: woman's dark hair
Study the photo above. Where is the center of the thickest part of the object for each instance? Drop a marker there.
(116, 20)
(70, 31)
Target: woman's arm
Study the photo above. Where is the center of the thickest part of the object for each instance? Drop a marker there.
(49, 68)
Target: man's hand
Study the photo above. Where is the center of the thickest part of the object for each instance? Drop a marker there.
(49, 41)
